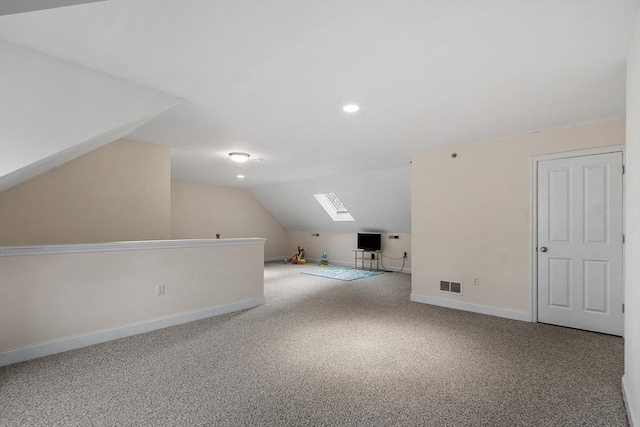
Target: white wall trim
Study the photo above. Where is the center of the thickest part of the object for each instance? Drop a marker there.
(533, 215)
(476, 308)
(580, 153)
(631, 416)
(97, 337)
(125, 246)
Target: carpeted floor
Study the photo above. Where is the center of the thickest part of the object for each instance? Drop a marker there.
(340, 273)
(327, 352)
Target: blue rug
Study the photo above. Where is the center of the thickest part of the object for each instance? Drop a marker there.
(341, 273)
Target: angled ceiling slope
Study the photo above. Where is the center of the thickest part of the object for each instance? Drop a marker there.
(379, 201)
(9, 7)
(52, 111)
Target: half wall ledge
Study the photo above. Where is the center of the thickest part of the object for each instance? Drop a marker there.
(126, 246)
(56, 298)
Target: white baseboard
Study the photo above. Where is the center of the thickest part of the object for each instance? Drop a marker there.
(97, 337)
(475, 308)
(631, 410)
(333, 262)
(351, 264)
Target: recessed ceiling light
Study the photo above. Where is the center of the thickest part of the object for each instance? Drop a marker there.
(350, 108)
(239, 157)
(240, 176)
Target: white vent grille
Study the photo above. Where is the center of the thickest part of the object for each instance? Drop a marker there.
(451, 287)
(456, 287)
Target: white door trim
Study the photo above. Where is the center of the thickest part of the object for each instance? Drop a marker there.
(533, 284)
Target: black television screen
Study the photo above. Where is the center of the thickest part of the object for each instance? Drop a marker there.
(369, 241)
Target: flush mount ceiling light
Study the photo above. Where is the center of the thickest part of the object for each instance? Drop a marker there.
(239, 176)
(239, 157)
(350, 108)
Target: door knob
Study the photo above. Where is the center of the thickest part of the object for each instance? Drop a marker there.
(543, 249)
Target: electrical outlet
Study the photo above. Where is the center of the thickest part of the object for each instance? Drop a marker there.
(405, 255)
(476, 281)
(160, 290)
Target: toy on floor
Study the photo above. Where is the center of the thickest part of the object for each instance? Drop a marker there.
(297, 258)
(324, 260)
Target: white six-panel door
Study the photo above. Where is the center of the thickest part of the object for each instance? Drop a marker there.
(579, 242)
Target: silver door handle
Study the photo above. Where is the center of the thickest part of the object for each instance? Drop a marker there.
(543, 249)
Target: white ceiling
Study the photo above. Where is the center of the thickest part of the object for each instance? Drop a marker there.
(270, 77)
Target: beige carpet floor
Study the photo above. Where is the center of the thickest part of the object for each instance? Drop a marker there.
(324, 352)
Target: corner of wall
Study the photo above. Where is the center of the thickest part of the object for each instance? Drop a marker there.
(631, 379)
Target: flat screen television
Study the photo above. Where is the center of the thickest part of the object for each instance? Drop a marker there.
(369, 241)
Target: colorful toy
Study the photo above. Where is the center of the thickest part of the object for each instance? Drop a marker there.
(297, 258)
(324, 260)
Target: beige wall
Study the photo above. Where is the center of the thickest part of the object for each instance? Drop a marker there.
(199, 211)
(631, 381)
(339, 247)
(117, 192)
(471, 215)
(49, 298)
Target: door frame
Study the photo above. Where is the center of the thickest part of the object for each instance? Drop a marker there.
(534, 213)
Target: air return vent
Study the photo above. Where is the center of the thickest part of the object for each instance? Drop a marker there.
(456, 287)
(451, 287)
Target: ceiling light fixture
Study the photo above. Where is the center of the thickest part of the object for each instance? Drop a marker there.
(239, 176)
(239, 157)
(350, 108)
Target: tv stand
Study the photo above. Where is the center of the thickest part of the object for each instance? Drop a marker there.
(361, 254)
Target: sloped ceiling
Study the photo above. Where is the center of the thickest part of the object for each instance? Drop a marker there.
(270, 77)
(53, 111)
(8, 7)
(379, 201)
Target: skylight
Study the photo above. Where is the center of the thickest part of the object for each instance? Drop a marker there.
(337, 203)
(334, 206)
